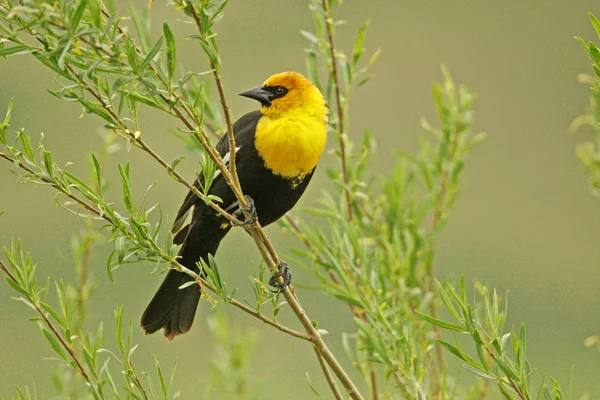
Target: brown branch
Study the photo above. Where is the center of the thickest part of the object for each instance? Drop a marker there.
(137, 139)
(510, 380)
(224, 106)
(328, 377)
(332, 275)
(78, 364)
(340, 109)
(163, 256)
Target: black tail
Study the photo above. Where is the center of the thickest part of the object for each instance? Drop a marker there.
(171, 308)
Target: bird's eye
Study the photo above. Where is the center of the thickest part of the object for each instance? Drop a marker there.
(280, 91)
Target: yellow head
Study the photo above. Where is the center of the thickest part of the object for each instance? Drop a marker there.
(288, 93)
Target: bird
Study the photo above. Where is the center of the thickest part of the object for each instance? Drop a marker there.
(277, 149)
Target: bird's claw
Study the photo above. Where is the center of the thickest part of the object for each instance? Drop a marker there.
(250, 208)
(283, 271)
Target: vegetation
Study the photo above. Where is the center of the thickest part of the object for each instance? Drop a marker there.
(371, 243)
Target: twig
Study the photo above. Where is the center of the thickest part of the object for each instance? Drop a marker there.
(78, 364)
(163, 256)
(228, 123)
(328, 377)
(340, 109)
(402, 383)
(342, 141)
(510, 380)
(148, 149)
(437, 219)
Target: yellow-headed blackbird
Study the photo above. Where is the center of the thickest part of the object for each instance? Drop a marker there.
(277, 150)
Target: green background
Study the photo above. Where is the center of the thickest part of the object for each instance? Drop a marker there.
(525, 220)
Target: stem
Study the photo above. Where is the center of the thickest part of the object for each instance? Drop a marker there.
(437, 219)
(307, 324)
(78, 364)
(302, 236)
(328, 377)
(340, 109)
(510, 380)
(163, 256)
(402, 383)
(217, 75)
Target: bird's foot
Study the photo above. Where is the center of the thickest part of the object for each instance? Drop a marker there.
(250, 208)
(283, 271)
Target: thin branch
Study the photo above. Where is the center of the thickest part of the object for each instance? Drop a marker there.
(123, 33)
(437, 219)
(78, 364)
(219, 83)
(328, 377)
(510, 380)
(149, 150)
(340, 109)
(269, 321)
(163, 256)
(402, 384)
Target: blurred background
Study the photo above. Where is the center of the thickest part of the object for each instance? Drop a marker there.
(525, 222)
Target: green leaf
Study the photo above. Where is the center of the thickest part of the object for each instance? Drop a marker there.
(507, 369)
(349, 300)
(16, 286)
(76, 17)
(161, 378)
(440, 323)
(54, 343)
(358, 49)
(459, 353)
(310, 36)
(187, 284)
(171, 52)
(313, 389)
(6, 122)
(176, 162)
(595, 23)
(479, 372)
(142, 99)
(152, 53)
(98, 171)
(313, 69)
(19, 49)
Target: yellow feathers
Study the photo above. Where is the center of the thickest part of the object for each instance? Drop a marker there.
(291, 135)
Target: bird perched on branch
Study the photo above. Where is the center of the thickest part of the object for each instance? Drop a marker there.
(277, 150)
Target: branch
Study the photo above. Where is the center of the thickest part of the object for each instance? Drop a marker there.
(78, 364)
(437, 219)
(163, 256)
(340, 109)
(229, 124)
(328, 377)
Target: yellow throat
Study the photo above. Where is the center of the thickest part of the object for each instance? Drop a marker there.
(291, 134)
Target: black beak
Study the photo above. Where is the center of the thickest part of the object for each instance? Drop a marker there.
(259, 94)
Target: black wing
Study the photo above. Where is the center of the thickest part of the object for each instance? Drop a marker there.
(180, 228)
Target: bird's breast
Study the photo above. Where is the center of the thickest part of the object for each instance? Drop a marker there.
(290, 146)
